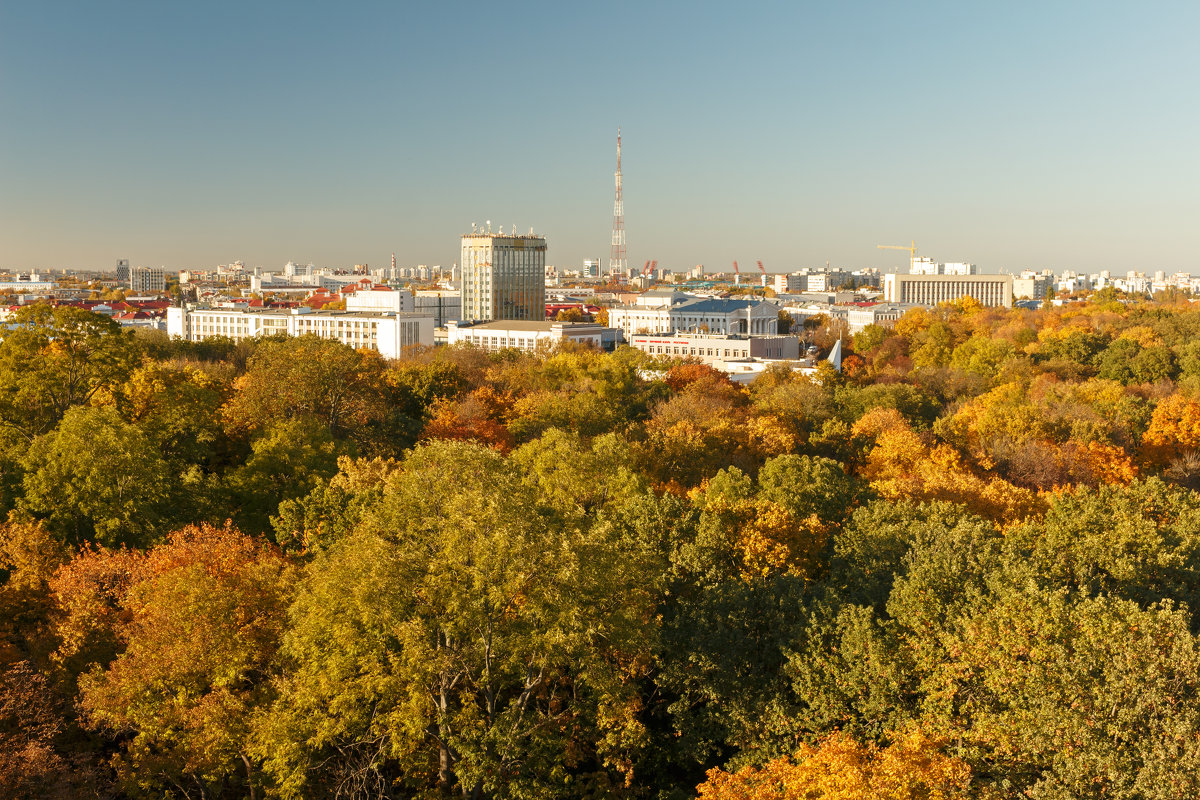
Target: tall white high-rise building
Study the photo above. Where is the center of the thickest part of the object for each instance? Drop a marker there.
(503, 277)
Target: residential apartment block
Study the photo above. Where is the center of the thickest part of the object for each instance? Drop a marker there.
(387, 332)
(143, 280)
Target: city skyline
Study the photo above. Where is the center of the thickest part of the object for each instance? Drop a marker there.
(1025, 136)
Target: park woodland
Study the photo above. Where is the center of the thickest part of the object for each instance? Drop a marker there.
(965, 565)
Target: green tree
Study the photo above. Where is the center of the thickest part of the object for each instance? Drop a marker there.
(309, 377)
(287, 461)
(96, 478)
(178, 407)
(808, 486)
(53, 358)
(455, 640)
(870, 337)
(786, 323)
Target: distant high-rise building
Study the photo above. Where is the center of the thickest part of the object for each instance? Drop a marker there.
(123, 272)
(503, 277)
(591, 268)
(147, 279)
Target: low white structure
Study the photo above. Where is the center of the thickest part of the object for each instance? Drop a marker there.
(882, 314)
(709, 347)
(382, 299)
(525, 335)
(387, 332)
(660, 298)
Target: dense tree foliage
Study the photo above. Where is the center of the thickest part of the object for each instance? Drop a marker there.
(963, 567)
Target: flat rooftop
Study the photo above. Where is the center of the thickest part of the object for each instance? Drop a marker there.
(525, 325)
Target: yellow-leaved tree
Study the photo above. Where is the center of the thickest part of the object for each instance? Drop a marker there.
(913, 767)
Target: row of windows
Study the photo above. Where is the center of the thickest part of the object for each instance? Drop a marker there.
(712, 352)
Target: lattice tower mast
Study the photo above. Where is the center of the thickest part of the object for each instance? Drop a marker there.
(616, 260)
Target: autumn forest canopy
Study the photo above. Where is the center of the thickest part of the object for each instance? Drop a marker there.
(962, 567)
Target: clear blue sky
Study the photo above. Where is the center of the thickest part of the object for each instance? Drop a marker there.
(1015, 135)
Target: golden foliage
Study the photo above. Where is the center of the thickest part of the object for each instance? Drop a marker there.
(913, 767)
(1174, 427)
(768, 538)
(901, 466)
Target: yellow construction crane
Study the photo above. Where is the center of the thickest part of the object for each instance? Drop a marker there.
(912, 248)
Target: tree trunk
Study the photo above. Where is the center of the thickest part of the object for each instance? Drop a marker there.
(249, 778)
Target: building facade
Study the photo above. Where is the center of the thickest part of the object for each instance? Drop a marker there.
(1033, 285)
(709, 347)
(443, 304)
(503, 277)
(147, 279)
(525, 335)
(882, 314)
(388, 333)
(929, 290)
(380, 299)
(792, 282)
(927, 266)
(700, 315)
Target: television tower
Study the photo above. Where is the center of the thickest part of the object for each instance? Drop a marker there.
(616, 260)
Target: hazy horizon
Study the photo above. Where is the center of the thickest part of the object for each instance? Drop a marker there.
(1027, 136)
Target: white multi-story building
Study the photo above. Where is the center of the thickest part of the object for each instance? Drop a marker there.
(927, 266)
(929, 290)
(1032, 285)
(503, 277)
(793, 282)
(702, 315)
(527, 335)
(389, 333)
(711, 347)
(828, 280)
(293, 270)
(31, 282)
